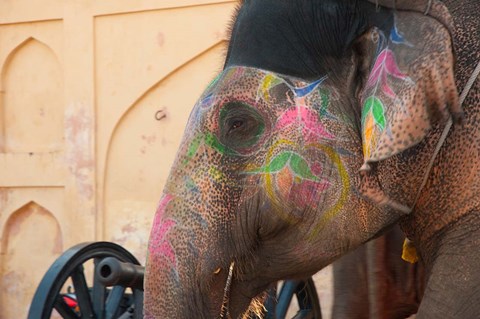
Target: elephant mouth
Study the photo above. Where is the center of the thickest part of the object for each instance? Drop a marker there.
(231, 307)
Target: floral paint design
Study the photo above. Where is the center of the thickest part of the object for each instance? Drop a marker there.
(292, 171)
(385, 66)
(209, 140)
(159, 245)
(379, 91)
(291, 160)
(373, 122)
(307, 120)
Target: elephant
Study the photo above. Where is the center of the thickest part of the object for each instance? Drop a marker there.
(373, 282)
(331, 122)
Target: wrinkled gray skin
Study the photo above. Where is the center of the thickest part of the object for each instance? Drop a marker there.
(216, 211)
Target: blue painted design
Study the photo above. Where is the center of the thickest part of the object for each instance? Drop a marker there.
(206, 101)
(305, 90)
(396, 37)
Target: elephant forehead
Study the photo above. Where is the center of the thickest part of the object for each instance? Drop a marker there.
(268, 92)
(252, 84)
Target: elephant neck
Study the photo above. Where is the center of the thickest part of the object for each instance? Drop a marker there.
(451, 260)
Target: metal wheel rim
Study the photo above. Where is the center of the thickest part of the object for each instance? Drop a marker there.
(61, 270)
(306, 295)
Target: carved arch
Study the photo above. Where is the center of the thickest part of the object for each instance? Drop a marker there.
(14, 223)
(31, 122)
(31, 241)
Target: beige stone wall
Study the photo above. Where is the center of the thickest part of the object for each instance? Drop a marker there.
(94, 96)
(82, 155)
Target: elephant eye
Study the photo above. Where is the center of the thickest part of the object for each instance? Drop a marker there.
(241, 125)
(235, 124)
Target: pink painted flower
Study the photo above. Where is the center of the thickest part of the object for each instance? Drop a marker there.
(302, 193)
(159, 245)
(312, 128)
(385, 65)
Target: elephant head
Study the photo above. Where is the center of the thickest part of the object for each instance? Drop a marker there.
(277, 174)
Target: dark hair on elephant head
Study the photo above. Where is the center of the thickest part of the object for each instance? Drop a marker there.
(282, 36)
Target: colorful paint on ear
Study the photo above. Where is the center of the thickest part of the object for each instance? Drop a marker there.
(385, 66)
(396, 36)
(373, 123)
(410, 87)
(378, 92)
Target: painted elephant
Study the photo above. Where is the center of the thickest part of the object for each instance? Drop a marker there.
(373, 282)
(321, 132)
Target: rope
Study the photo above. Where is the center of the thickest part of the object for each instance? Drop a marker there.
(443, 137)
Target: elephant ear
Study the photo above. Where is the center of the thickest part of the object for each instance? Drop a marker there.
(409, 86)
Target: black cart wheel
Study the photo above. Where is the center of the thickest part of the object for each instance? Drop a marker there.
(71, 287)
(278, 302)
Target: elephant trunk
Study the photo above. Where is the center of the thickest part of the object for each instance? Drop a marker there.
(176, 286)
(186, 267)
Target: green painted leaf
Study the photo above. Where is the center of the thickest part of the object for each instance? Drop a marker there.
(275, 165)
(325, 94)
(374, 104)
(212, 141)
(367, 106)
(192, 148)
(278, 162)
(378, 113)
(300, 167)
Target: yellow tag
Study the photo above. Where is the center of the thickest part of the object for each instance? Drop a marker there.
(409, 252)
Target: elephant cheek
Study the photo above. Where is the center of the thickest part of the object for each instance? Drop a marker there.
(285, 183)
(306, 194)
(301, 194)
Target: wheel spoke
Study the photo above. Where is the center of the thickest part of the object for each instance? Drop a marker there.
(82, 293)
(304, 314)
(138, 297)
(63, 309)
(285, 297)
(98, 293)
(113, 301)
(68, 269)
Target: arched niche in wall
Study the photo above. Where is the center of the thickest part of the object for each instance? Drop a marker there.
(31, 241)
(32, 115)
(143, 146)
